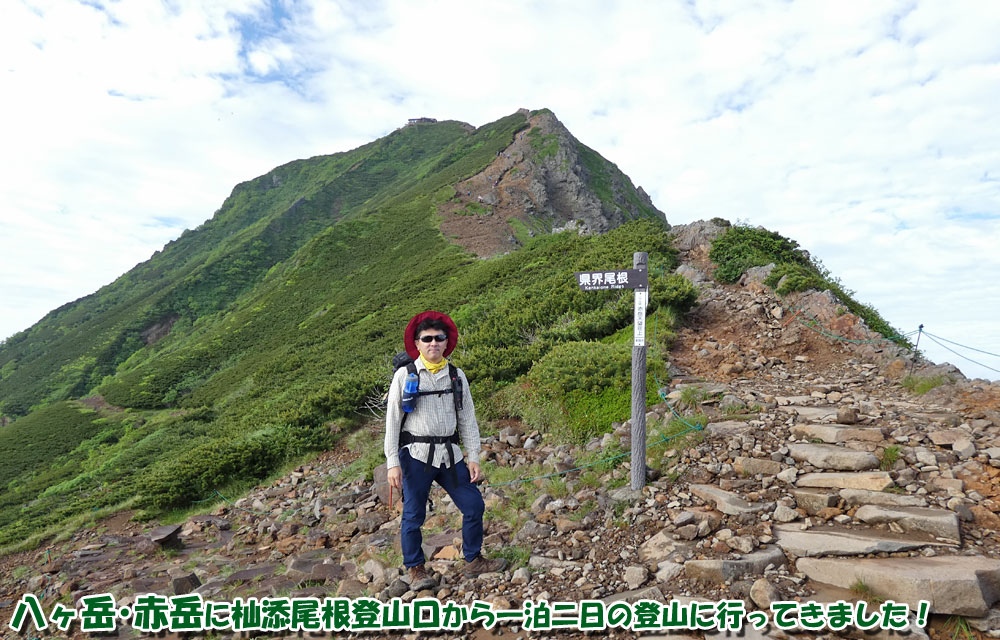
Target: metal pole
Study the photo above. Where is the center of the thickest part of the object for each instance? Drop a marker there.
(916, 347)
(639, 261)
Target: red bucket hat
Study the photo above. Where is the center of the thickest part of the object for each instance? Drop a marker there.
(410, 334)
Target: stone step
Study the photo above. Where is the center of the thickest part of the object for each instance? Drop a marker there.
(869, 480)
(721, 569)
(861, 497)
(830, 456)
(811, 414)
(839, 541)
(837, 433)
(954, 585)
(814, 501)
(753, 466)
(937, 522)
(726, 502)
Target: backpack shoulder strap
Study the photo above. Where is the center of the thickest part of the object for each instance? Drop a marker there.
(456, 386)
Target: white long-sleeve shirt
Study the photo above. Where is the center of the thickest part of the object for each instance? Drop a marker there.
(434, 415)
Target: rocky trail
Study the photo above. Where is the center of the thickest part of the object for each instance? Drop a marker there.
(817, 477)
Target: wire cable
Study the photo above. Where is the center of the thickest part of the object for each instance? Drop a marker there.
(929, 337)
(996, 355)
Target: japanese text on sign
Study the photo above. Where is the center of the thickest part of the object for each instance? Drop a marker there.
(617, 279)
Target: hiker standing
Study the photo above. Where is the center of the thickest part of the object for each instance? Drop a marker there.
(421, 447)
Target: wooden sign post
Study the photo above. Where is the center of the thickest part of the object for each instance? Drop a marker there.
(636, 278)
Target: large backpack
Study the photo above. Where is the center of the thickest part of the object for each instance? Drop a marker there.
(403, 359)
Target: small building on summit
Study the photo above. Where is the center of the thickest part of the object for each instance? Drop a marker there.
(421, 121)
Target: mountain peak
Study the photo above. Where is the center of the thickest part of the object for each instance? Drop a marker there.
(544, 181)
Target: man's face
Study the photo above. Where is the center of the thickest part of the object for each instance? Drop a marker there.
(432, 351)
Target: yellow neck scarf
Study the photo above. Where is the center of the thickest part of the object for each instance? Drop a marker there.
(434, 368)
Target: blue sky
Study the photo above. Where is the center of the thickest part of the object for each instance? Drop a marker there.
(868, 132)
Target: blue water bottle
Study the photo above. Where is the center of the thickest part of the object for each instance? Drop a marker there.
(410, 388)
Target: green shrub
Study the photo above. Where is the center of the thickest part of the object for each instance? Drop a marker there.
(889, 457)
(742, 247)
(587, 366)
(798, 277)
(676, 292)
(207, 467)
(922, 384)
(578, 390)
(516, 556)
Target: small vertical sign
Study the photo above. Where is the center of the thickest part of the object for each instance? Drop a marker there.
(641, 297)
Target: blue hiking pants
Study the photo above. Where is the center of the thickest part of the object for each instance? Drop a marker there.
(416, 487)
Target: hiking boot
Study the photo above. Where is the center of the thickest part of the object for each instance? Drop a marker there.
(479, 565)
(420, 579)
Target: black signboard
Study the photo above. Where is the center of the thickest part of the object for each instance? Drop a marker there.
(612, 279)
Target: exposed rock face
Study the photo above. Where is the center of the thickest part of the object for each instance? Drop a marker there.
(545, 181)
(158, 330)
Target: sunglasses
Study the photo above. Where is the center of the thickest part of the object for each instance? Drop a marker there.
(439, 338)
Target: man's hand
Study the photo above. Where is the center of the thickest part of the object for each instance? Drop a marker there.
(475, 473)
(395, 477)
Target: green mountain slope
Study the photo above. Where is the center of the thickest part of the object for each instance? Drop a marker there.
(266, 332)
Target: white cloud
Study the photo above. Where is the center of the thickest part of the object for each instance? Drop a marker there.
(866, 131)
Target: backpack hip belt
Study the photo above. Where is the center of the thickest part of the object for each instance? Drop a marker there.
(405, 438)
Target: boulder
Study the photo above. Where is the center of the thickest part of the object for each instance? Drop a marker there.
(814, 501)
(726, 502)
(381, 483)
(165, 535)
(726, 429)
(946, 437)
(828, 456)
(847, 415)
(635, 576)
(185, 584)
(532, 531)
(754, 466)
(659, 548)
(370, 521)
(810, 414)
(763, 593)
